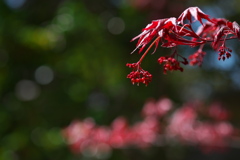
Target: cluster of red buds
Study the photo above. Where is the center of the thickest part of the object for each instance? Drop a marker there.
(197, 58)
(183, 125)
(170, 64)
(172, 32)
(224, 53)
(138, 75)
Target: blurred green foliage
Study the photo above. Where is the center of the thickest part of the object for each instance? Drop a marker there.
(84, 54)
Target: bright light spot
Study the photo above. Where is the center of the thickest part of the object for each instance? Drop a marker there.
(65, 21)
(104, 151)
(44, 75)
(88, 151)
(14, 4)
(224, 128)
(99, 150)
(27, 90)
(116, 25)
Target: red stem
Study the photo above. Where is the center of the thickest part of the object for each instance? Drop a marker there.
(145, 53)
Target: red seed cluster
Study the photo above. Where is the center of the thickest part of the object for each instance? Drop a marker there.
(197, 58)
(138, 75)
(224, 53)
(132, 65)
(171, 64)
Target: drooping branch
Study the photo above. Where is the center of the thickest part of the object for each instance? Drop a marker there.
(172, 32)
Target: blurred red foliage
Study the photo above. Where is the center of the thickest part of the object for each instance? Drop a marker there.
(159, 120)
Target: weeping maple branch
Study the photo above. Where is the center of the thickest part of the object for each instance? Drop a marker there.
(172, 32)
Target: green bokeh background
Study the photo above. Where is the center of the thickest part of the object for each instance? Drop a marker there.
(84, 46)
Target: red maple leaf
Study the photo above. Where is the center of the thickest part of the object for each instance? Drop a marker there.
(236, 29)
(193, 12)
(152, 31)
